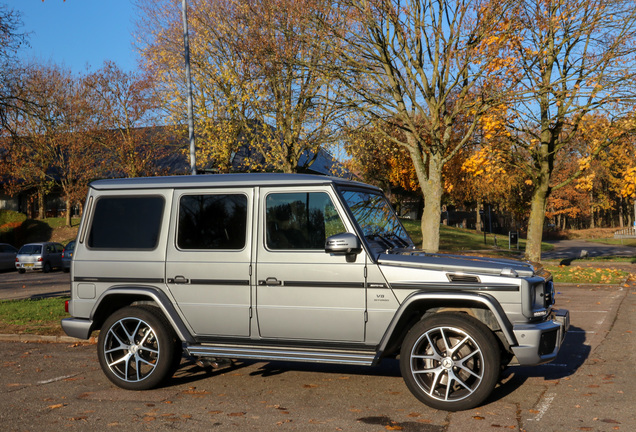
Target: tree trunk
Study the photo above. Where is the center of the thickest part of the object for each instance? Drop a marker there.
(478, 218)
(537, 217)
(41, 209)
(592, 225)
(428, 168)
(431, 217)
(68, 212)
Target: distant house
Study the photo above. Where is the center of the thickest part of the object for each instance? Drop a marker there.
(174, 161)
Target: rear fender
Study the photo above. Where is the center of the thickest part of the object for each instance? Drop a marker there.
(117, 297)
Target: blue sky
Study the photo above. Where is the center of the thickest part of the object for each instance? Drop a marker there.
(77, 33)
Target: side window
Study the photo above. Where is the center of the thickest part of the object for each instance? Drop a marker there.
(210, 222)
(131, 223)
(300, 220)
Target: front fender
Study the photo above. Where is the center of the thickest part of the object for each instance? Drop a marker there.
(445, 299)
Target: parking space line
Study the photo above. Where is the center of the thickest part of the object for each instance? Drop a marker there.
(543, 406)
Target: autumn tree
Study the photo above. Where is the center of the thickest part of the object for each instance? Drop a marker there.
(419, 66)
(125, 106)
(379, 161)
(53, 140)
(10, 41)
(575, 58)
(257, 69)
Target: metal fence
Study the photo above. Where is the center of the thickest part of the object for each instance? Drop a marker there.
(626, 233)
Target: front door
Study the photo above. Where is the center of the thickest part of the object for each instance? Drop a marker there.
(208, 260)
(304, 293)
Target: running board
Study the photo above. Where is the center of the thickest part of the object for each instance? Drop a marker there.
(364, 358)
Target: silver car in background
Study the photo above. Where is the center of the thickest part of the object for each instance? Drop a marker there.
(7, 256)
(43, 256)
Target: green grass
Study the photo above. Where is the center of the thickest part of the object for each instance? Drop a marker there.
(59, 222)
(613, 241)
(592, 275)
(36, 316)
(453, 239)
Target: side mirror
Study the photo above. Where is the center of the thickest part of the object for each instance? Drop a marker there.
(343, 244)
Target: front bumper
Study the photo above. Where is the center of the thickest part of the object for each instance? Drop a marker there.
(539, 343)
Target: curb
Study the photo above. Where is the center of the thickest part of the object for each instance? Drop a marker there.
(45, 339)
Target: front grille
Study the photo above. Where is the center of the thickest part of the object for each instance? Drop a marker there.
(548, 342)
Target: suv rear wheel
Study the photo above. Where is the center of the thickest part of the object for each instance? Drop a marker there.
(137, 348)
(450, 361)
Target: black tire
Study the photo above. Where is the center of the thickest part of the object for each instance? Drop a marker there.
(450, 361)
(47, 267)
(21, 271)
(136, 348)
(177, 353)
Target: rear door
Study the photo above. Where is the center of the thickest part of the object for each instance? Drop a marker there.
(208, 259)
(304, 293)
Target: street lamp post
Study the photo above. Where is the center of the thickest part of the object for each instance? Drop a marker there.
(186, 43)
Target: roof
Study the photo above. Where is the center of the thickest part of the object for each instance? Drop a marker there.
(223, 180)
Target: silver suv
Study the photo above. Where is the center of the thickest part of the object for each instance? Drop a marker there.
(295, 268)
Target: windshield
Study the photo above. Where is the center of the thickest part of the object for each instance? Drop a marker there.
(377, 220)
(30, 250)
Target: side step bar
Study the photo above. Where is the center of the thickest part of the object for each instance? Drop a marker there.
(364, 358)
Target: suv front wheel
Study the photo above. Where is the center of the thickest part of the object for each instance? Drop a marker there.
(136, 348)
(450, 361)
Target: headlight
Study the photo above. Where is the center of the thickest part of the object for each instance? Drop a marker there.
(538, 297)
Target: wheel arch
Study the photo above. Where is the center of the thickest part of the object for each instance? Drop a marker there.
(118, 297)
(483, 307)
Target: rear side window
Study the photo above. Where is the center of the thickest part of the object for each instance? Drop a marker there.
(131, 223)
(211, 222)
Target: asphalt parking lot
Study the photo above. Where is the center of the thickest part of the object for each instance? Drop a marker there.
(14, 285)
(588, 388)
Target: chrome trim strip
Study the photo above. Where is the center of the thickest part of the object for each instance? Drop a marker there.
(318, 284)
(117, 280)
(456, 286)
(219, 282)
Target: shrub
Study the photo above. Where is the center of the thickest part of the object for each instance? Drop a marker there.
(10, 223)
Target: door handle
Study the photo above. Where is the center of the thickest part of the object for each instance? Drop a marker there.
(271, 281)
(178, 280)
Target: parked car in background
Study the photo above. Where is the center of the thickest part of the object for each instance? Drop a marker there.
(7, 256)
(39, 256)
(67, 256)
